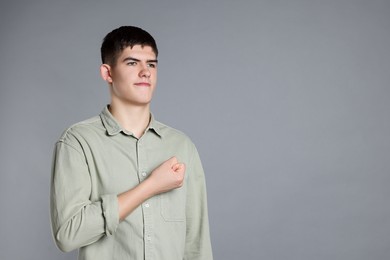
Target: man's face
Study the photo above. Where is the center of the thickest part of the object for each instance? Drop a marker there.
(134, 76)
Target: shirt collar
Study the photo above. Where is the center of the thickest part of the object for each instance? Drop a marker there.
(113, 127)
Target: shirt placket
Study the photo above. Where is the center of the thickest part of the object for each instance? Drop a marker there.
(148, 204)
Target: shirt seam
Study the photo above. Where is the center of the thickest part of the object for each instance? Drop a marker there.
(70, 145)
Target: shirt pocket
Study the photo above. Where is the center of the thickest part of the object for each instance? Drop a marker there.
(173, 205)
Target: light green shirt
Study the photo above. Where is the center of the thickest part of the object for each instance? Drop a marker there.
(96, 160)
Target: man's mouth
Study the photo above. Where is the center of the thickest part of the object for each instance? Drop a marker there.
(142, 84)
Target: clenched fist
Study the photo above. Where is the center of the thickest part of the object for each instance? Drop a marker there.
(168, 176)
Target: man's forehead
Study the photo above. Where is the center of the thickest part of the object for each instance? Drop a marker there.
(139, 50)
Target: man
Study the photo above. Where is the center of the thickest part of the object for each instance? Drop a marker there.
(125, 186)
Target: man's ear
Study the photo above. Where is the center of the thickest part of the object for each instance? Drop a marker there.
(105, 72)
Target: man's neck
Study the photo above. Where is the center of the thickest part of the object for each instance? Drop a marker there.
(134, 119)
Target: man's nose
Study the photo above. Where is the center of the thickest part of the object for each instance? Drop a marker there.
(145, 72)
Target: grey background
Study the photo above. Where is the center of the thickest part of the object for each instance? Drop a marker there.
(287, 101)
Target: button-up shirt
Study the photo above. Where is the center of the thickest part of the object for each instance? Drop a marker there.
(94, 161)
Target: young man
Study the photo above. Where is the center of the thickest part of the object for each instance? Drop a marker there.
(125, 186)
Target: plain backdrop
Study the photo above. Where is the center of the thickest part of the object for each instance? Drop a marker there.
(286, 100)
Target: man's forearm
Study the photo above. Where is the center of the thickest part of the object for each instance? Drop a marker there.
(168, 176)
(131, 199)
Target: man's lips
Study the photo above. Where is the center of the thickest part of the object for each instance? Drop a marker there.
(142, 84)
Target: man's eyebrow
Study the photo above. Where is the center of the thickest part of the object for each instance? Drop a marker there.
(134, 59)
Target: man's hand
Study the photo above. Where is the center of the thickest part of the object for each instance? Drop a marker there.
(168, 176)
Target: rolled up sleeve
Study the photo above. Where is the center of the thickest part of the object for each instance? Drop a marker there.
(76, 220)
(110, 211)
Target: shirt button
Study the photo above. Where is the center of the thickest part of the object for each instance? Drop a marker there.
(148, 238)
(147, 205)
(143, 174)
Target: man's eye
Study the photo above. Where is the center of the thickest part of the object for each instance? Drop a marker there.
(132, 63)
(151, 65)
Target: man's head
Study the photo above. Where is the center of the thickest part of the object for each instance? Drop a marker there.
(121, 38)
(129, 56)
